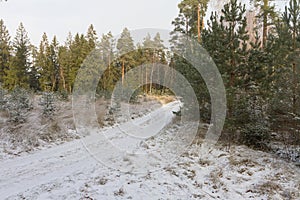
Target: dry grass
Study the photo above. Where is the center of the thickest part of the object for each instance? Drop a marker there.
(215, 178)
(234, 161)
(270, 188)
(204, 163)
(164, 99)
(101, 107)
(39, 130)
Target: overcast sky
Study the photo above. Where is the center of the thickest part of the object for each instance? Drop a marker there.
(58, 17)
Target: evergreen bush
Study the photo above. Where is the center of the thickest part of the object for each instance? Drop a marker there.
(48, 103)
(18, 104)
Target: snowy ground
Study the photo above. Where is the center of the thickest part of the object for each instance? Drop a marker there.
(73, 171)
(39, 133)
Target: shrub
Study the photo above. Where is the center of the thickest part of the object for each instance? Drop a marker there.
(248, 123)
(255, 135)
(134, 96)
(18, 104)
(255, 132)
(47, 102)
(64, 95)
(3, 98)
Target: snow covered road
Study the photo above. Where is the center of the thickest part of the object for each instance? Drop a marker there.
(21, 174)
(76, 170)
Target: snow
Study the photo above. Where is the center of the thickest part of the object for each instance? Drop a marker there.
(147, 165)
(38, 133)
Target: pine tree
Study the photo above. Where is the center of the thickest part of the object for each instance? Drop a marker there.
(190, 23)
(65, 63)
(91, 37)
(48, 63)
(55, 71)
(158, 57)
(125, 47)
(110, 74)
(79, 50)
(266, 15)
(33, 73)
(286, 55)
(42, 63)
(226, 40)
(5, 49)
(18, 72)
(190, 20)
(63, 55)
(258, 73)
(294, 26)
(148, 54)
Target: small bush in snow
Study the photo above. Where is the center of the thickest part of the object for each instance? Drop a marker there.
(134, 96)
(63, 95)
(47, 102)
(249, 121)
(255, 135)
(256, 131)
(18, 104)
(3, 98)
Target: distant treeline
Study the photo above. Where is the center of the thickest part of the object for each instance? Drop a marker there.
(53, 66)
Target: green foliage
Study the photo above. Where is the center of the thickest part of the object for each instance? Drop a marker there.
(226, 40)
(252, 119)
(247, 70)
(152, 53)
(255, 135)
(63, 95)
(18, 72)
(64, 61)
(3, 98)
(48, 103)
(125, 43)
(267, 68)
(53, 67)
(266, 16)
(33, 73)
(79, 49)
(107, 65)
(5, 49)
(91, 37)
(48, 64)
(18, 104)
(187, 20)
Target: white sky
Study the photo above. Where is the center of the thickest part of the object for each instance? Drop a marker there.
(58, 17)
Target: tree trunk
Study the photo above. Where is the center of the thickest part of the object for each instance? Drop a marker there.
(53, 84)
(123, 72)
(151, 75)
(199, 23)
(62, 78)
(146, 81)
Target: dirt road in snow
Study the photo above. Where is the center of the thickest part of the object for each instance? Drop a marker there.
(76, 170)
(23, 173)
